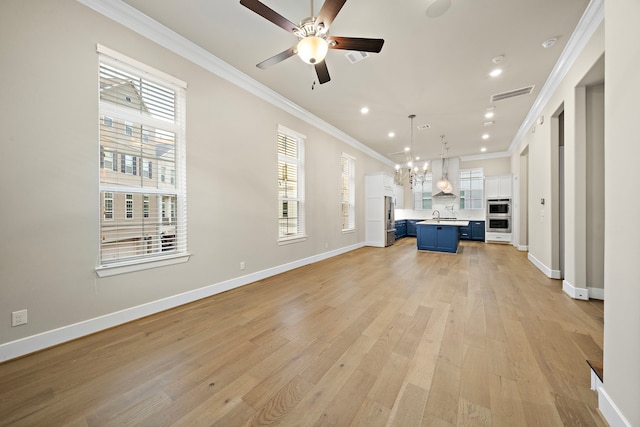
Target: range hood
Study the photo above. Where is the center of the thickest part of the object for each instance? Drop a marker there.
(453, 166)
(445, 195)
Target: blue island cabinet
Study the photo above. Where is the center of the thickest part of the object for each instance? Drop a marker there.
(440, 238)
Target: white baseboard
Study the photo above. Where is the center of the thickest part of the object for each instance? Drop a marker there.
(582, 293)
(553, 274)
(53, 337)
(596, 293)
(574, 292)
(610, 411)
(523, 248)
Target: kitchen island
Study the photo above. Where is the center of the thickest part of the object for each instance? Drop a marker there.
(439, 235)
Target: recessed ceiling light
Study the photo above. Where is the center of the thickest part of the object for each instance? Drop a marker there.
(550, 42)
(488, 114)
(488, 123)
(485, 136)
(483, 149)
(406, 149)
(364, 110)
(498, 59)
(392, 134)
(496, 72)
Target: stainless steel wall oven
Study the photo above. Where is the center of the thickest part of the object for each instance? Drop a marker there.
(498, 207)
(499, 224)
(499, 215)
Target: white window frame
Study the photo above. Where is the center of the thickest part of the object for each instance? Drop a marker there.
(299, 198)
(348, 193)
(174, 125)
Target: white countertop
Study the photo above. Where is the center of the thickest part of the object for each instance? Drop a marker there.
(456, 222)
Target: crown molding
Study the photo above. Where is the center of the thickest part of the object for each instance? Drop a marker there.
(136, 21)
(591, 19)
(487, 156)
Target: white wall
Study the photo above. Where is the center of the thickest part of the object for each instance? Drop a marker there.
(621, 268)
(542, 142)
(595, 186)
(499, 166)
(50, 207)
(618, 399)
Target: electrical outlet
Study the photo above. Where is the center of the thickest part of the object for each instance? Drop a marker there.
(242, 265)
(18, 318)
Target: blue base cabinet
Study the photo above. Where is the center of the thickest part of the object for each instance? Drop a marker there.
(473, 231)
(401, 228)
(477, 230)
(411, 227)
(440, 238)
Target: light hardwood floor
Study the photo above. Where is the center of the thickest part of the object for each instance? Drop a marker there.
(373, 337)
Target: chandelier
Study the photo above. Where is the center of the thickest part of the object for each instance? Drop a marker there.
(412, 168)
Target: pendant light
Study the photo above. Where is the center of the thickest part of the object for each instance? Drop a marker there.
(443, 183)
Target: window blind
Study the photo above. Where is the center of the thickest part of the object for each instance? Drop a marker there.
(142, 131)
(291, 215)
(348, 192)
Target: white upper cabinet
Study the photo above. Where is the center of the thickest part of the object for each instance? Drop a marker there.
(498, 186)
(398, 199)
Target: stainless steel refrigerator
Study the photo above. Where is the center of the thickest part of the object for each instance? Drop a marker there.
(390, 223)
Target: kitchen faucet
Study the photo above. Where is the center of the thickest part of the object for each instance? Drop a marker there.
(434, 212)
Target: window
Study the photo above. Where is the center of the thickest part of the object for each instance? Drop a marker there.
(128, 164)
(147, 169)
(146, 207)
(129, 206)
(108, 159)
(108, 205)
(348, 192)
(471, 193)
(422, 192)
(290, 185)
(142, 128)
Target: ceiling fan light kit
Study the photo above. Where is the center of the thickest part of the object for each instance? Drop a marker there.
(312, 49)
(313, 36)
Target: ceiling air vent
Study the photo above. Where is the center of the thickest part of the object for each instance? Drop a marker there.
(354, 56)
(512, 93)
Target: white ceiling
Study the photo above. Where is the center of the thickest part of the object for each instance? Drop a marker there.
(435, 68)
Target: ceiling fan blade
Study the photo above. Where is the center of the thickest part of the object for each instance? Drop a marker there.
(270, 15)
(277, 58)
(322, 71)
(356, 43)
(328, 12)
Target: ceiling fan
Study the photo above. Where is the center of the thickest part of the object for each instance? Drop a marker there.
(314, 40)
